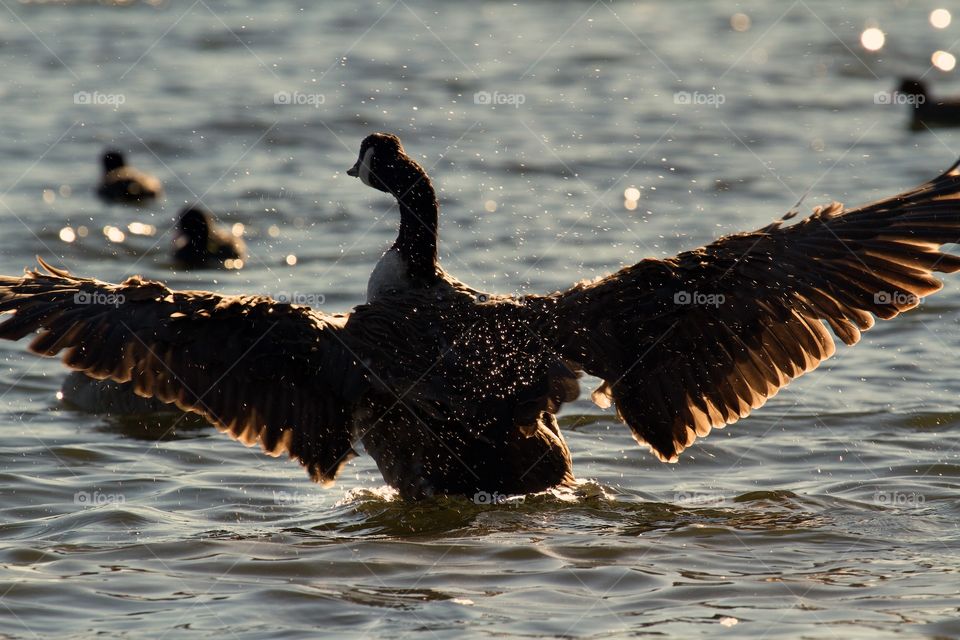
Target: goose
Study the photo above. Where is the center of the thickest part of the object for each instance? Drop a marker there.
(123, 184)
(453, 390)
(926, 110)
(199, 243)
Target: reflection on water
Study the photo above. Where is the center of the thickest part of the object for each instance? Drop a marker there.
(566, 140)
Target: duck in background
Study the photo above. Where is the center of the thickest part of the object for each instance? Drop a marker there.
(122, 184)
(927, 111)
(199, 243)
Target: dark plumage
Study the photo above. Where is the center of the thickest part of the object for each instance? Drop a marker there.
(455, 391)
(927, 111)
(80, 391)
(124, 184)
(199, 243)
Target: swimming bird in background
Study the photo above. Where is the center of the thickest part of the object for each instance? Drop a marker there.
(453, 390)
(123, 184)
(927, 111)
(199, 243)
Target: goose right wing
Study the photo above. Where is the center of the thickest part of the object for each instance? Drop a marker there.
(700, 340)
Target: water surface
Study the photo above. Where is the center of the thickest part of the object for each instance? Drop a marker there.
(831, 512)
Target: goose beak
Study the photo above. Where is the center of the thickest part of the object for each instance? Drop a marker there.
(354, 171)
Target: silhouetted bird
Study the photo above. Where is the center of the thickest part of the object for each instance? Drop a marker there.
(455, 391)
(927, 111)
(124, 184)
(199, 243)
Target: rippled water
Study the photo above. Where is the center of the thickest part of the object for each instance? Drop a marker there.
(831, 513)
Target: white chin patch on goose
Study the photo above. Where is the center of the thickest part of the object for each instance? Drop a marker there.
(365, 167)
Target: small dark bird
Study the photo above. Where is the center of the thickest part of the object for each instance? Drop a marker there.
(927, 111)
(125, 185)
(199, 243)
(453, 390)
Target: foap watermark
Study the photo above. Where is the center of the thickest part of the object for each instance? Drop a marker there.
(97, 98)
(97, 498)
(897, 298)
(497, 99)
(298, 499)
(299, 99)
(698, 98)
(898, 498)
(895, 97)
(697, 298)
(699, 498)
(99, 297)
(302, 299)
(485, 497)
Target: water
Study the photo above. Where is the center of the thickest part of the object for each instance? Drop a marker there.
(832, 512)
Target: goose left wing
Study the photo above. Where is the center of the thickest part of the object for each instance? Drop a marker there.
(700, 340)
(279, 375)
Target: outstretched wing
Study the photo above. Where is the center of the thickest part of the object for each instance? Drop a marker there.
(698, 341)
(260, 371)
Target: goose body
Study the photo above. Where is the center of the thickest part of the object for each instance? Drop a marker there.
(123, 184)
(455, 391)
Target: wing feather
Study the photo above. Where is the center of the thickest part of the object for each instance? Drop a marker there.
(698, 341)
(260, 371)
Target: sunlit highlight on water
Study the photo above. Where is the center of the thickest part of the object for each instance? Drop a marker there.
(872, 39)
(141, 229)
(114, 234)
(940, 18)
(740, 22)
(943, 60)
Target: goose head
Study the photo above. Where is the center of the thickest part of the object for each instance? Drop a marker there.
(113, 159)
(384, 165)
